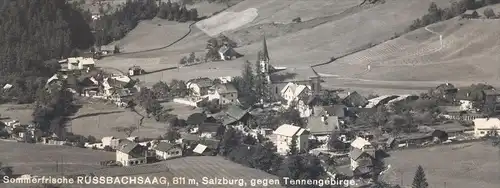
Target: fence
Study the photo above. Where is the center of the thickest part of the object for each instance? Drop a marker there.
(432, 145)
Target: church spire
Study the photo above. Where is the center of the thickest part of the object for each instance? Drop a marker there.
(265, 53)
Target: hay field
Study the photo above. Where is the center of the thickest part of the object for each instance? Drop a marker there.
(153, 33)
(98, 119)
(226, 21)
(41, 159)
(338, 28)
(469, 48)
(459, 166)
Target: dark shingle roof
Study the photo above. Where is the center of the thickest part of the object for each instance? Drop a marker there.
(226, 88)
(201, 82)
(317, 126)
(126, 146)
(354, 99)
(233, 114)
(210, 127)
(196, 119)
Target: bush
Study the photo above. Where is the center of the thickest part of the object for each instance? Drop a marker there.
(488, 12)
(297, 20)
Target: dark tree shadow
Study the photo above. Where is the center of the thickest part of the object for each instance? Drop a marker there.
(283, 77)
(96, 114)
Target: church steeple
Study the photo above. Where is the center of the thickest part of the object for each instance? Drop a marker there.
(264, 52)
(263, 58)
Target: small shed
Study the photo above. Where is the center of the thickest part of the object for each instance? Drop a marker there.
(470, 14)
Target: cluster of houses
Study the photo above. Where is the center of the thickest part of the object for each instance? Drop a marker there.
(86, 80)
(321, 121)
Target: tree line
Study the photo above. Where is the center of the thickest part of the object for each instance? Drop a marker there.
(33, 33)
(175, 12)
(115, 26)
(436, 14)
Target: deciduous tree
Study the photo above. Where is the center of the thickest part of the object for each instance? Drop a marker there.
(125, 130)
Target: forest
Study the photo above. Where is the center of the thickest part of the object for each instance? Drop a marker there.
(32, 34)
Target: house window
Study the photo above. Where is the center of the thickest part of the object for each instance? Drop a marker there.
(232, 100)
(482, 132)
(232, 95)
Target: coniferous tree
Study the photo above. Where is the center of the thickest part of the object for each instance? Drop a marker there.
(247, 85)
(419, 181)
(184, 14)
(193, 14)
(293, 147)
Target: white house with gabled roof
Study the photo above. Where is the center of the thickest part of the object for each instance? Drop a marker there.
(293, 92)
(284, 135)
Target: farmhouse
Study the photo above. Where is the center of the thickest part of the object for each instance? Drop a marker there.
(130, 153)
(235, 115)
(80, 63)
(135, 70)
(445, 91)
(492, 100)
(470, 14)
(200, 86)
(453, 129)
(322, 125)
(226, 52)
(110, 141)
(354, 99)
(284, 135)
(485, 126)
(165, 150)
(361, 154)
(292, 92)
(226, 93)
(211, 130)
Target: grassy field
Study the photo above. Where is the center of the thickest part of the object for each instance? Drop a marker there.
(98, 119)
(190, 168)
(458, 166)
(39, 159)
(329, 28)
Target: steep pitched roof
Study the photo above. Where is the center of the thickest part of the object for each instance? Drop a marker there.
(126, 146)
(201, 82)
(165, 146)
(294, 89)
(289, 130)
(226, 88)
(316, 125)
(355, 99)
(233, 114)
(359, 143)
